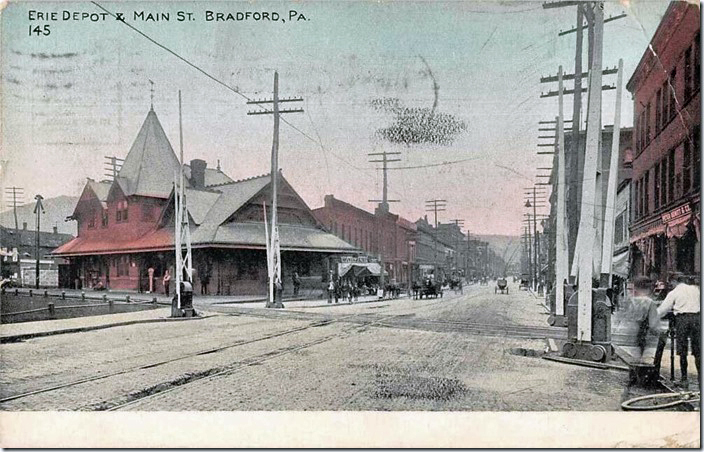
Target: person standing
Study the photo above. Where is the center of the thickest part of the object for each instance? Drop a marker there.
(150, 271)
(643, 310)
(684, 302)
(331, 288)
(166, 280)
(296, 283)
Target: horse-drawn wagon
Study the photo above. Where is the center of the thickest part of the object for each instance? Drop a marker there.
(501, 286)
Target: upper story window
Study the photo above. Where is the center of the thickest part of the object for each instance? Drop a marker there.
(91, 219)
(104, 220)
(696, 157)
(121, 215)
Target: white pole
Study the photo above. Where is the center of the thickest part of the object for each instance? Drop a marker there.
(608, 248)
(589, 202)
(561, 264)
(269, 259)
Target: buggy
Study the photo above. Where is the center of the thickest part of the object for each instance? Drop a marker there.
(428, 288)
(501, 285)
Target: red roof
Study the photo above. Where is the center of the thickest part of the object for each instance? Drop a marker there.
(160, 239)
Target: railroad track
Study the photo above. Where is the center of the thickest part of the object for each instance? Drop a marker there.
(403, 317)
(354, 320)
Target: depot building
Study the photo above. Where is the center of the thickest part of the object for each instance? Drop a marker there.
(126, 227)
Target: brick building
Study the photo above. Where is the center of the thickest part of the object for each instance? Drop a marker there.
(434, 254)
(126, 226)
(664, 229)
(377, 234)
(18, 254)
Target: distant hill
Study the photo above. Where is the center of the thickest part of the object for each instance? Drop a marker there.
(55, 212)
(506, 246)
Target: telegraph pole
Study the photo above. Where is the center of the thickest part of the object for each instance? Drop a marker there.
(435, 206)
(612, 185)
(561, 236)
(576, 157)
(385, 160)
(383, 207)
(113, 165)
(38, 210)
(274, 257)
(585, 251)
(16, 194)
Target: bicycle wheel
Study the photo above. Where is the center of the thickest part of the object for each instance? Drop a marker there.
(660, 401)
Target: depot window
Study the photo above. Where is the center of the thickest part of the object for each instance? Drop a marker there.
(121, 215)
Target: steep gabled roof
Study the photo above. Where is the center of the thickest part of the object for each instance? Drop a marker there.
(149, 167)
(101, 189)
(213, 176)
(96, 192)
(232, 197)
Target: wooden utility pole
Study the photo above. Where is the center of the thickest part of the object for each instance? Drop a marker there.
(612, 185)
(274, 255)
(113, 165)
(435, 206)
(561, 236)
(383, 209)
(385, 160)
(574, 156)
(16, 194)
(587, 229)
(38, 210)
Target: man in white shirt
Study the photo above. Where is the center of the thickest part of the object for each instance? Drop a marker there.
(684, 301)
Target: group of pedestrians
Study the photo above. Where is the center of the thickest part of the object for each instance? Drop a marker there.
(345, 289)
(661, 313)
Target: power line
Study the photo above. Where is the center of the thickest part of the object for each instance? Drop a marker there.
(225, 85)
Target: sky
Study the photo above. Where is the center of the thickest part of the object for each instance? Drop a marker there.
(81, 93)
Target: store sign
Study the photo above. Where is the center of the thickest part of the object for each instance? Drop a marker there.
(676, 213)
(357, 259)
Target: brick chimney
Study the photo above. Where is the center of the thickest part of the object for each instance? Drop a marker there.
(198, 173)
(24, 225)
(56, 229)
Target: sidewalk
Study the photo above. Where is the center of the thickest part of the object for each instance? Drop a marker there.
(13, 332)
(121, 295)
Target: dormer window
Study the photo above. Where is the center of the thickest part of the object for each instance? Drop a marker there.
(104, 222)
(91, 220)
(122, 210)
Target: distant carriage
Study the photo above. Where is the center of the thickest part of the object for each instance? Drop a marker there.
(428, 288)
(501, 286)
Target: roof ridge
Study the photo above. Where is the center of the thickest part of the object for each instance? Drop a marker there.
(239, 180)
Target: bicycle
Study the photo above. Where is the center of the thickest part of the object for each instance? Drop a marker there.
(661, 401)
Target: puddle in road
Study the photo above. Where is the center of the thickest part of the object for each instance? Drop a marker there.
(417, 387)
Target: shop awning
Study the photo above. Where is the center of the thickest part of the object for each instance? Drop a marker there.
(359, 269)
(678, 226)
(619, 264)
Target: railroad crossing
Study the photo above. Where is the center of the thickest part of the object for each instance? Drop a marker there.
(475, 350)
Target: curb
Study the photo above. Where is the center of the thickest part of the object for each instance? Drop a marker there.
(348, 303)
(26, 336)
